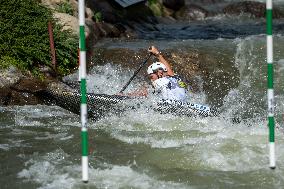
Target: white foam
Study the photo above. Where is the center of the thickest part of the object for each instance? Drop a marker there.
(42, 115)
(4, 147)
(109, 79)
(50, 175)
(48, 135)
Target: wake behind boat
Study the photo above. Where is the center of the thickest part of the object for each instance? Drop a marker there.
(100, 105)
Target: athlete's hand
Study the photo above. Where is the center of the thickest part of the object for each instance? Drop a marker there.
(153, 50)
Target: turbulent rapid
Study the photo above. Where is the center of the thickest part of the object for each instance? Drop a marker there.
(41, 145)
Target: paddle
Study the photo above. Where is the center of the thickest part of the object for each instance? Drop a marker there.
(135, 73)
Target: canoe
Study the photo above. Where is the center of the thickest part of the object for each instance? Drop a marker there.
(100, 105)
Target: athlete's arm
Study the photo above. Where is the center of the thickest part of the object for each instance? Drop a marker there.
(156, 52)
(139, 93)
(142, 92)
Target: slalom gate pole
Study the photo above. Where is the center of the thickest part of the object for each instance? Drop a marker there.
(84, 130)
(270, 91)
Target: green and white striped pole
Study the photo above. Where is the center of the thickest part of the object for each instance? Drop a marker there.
(270, 91)
(82, 72)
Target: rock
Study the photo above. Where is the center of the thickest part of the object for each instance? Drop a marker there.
(59, 86)
(167, 14)
(54, 5)
(115, 19)
(29, 85)
(17, 89)
(191, 12)
(89, 14)
(47, 71)
(9, 77)
(174, 4)
(70, 23)
(140, 13)
(167, 20)
(51, 3)
(21, 99)
(23, 93)
(204, 2)
(5, 96)
(256, 9)
(105, 8)
(107, 30)
(67, 20)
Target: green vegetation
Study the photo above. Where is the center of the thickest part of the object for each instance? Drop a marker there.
(98, 17)
(24, 39)
(152, 2)
(155, 7)
(65, 7)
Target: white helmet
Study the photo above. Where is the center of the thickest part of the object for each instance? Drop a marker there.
(155, 66)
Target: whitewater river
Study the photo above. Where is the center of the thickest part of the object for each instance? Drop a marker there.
(40, 146)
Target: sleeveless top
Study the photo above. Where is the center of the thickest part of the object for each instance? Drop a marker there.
(170, 88)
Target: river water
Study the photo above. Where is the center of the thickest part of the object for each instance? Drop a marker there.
(40, 146)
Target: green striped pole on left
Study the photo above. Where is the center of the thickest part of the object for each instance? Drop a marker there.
(82, 72)
(270, 91)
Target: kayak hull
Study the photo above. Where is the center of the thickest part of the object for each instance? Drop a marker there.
(99, 105)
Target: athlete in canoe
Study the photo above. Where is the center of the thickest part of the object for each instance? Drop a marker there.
(166, 84)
